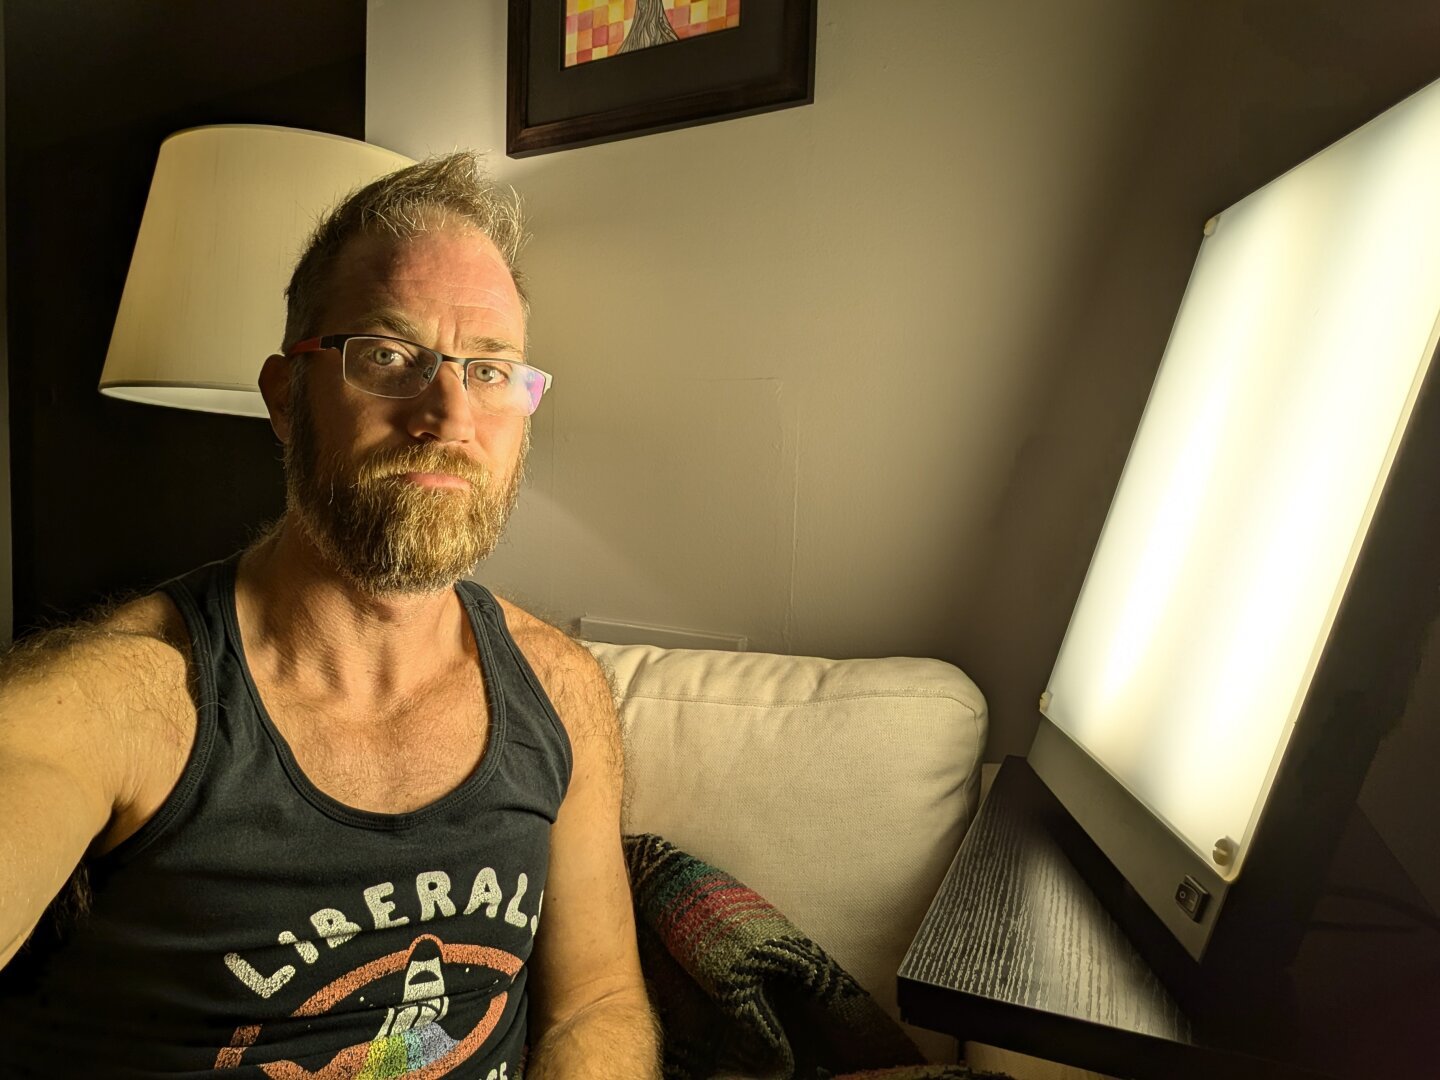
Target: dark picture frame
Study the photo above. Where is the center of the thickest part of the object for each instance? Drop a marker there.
(765, 63)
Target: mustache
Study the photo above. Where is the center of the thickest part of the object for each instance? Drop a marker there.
(423, 458)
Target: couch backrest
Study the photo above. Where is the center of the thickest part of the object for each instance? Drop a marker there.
(838, 790)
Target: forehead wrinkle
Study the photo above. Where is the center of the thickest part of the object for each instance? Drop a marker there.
(391, 321)
(410, 260)
(399, 324)
(486, 345)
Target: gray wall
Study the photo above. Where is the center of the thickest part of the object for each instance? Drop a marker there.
(859, 378)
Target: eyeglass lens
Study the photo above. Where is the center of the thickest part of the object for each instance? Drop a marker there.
(391, 368)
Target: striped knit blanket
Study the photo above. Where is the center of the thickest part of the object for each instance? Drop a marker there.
(739, 990)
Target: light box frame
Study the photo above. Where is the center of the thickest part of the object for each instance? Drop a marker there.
(1357, 689)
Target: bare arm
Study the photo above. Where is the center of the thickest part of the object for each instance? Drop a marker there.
(78, 711)
(589, 1015)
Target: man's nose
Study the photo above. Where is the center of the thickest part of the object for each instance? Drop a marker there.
(444, 410)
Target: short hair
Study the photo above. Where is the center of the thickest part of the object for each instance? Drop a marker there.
(420, 198)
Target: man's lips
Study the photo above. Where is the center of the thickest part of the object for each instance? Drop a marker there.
(437, 480)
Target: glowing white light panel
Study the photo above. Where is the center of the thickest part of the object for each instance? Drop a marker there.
(1305, 331)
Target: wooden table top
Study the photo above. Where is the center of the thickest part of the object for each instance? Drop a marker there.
(1017, 951)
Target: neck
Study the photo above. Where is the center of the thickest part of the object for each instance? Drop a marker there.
(314, 631)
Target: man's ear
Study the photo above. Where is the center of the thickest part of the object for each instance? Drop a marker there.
(275, 389)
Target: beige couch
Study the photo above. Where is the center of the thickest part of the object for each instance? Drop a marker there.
(838, 790)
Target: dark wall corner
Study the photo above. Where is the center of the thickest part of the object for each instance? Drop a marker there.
(110, 497)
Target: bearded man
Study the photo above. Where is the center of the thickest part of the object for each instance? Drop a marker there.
(342, 812)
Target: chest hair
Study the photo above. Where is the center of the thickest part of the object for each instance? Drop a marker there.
(392, 756)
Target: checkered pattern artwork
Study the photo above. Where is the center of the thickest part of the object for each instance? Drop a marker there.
(595, 29)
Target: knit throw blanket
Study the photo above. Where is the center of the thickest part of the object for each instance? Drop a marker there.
(740, 991)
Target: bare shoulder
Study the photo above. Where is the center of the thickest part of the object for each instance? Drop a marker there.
(96, 719)
(581, 693)
(154, 616)
(121, 671)
(95, 722)
(147, 633)
(572, 678)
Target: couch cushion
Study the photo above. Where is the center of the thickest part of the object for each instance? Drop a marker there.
(838, 790)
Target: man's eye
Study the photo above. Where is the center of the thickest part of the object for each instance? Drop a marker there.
(385, 355)
(489, 374)
(382, 356)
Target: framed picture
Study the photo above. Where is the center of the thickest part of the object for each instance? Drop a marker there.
(589, 71)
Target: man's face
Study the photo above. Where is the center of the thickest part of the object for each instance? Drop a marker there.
(406, 496)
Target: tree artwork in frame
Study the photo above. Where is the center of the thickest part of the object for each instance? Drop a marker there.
(590, 71)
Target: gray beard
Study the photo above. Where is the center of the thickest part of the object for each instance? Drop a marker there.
(384, 534)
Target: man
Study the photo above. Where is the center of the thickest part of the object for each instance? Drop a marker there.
(327, 799)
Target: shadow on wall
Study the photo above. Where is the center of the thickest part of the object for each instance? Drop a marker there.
(895, 278)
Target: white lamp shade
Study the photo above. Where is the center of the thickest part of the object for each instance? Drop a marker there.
(229, 211)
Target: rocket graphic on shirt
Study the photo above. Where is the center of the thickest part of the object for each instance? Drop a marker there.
(420, 1034)
(429, 1006)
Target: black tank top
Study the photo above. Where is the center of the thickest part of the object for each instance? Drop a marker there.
(259, 928)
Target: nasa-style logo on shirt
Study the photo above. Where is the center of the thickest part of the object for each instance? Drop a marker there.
(420, 1036)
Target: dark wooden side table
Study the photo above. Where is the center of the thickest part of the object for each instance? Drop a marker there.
(1017, 951)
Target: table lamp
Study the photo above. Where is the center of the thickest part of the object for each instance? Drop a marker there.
(229, 210)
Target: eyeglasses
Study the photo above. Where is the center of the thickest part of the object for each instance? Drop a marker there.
(394, 368)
